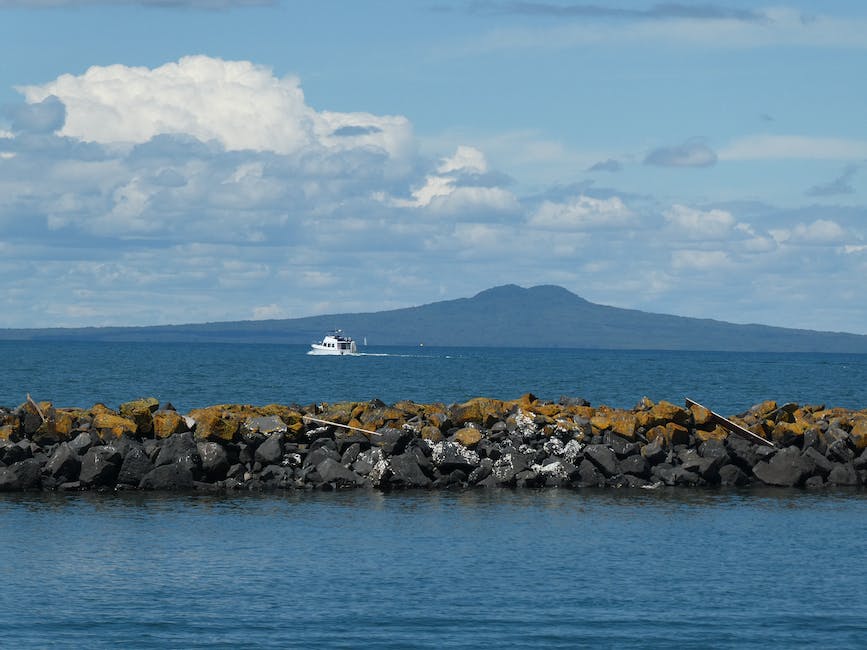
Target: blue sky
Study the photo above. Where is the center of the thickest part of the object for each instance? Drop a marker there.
(206, 160)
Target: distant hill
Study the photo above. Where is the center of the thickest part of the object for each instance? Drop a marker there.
(507, 316)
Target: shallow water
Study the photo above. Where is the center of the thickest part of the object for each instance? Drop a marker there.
(499, 568)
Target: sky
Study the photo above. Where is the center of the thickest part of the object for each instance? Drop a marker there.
(179, 161)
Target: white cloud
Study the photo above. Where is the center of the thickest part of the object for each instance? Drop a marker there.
(582, 213)
(455, 188)
(781, 147)
(700, 260)
(700, 224)
(239, 104)
(821, 232)
(267, 312)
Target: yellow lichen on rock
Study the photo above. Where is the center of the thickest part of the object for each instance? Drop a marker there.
(216, 423)
(468, 436)
(110, 426)
(167, 423)
(859, 432)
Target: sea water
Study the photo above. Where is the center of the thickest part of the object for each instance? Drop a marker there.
(682, 567)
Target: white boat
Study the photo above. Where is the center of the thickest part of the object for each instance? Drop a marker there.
(334, 343)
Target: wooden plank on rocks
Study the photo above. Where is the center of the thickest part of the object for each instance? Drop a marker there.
(337, 424)
(730, 426)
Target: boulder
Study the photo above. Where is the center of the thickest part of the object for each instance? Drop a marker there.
(450, 456)
(468, 436)
(64, 464)
(82, 442)
(589, 475)
(168, 477)
(100, 466)
(406, 472)
(141, 412)
(179, 448)
(109, 426)
(636, 465)
(270, 452)
(215, 460)
(731, 475)
(167, 422)
(786, 468)
(603, 458)
(509, 465)
(843, 474)
(136, 464)
(392, 442)
(23, 475)
(216, 424)
(332, 472)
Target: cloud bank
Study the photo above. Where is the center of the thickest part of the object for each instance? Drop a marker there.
(207, 190)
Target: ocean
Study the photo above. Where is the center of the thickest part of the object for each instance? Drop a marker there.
(692, 568)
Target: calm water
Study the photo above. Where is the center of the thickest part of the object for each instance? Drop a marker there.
(685, 568)
(499, 569)
(192, 375)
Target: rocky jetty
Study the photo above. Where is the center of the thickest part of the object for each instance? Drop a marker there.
(482, 443)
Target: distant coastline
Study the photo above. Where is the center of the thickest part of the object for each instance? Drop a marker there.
(507, 316)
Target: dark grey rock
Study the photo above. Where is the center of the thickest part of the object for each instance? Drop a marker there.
(176, 476)
(589, 475)
(654, 452)
(15, 452)
(345, 438)
(270, 452)
(714, 449)
(814, 483)
(64, 464)
(350, 454)
(449, 456)
(366, 461)
(316, 456)
(392, 442)
(620, 445)
(24, 475)
(406, 472)
(786, 468)
(82, 442)
(861, 461)
(844, 474)
(136, 464)
(732, 475)
(215, 460)
(603, 458)
(179, 447)
(481, 472)
(331, 471)
(635, 465)
(508, 466)
(100, 466)
(820, 464)
(742, 452)
(266, 425)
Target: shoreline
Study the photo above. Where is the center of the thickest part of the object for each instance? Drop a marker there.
(481, 443)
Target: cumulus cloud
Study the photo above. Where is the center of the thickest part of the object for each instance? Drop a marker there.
(582, 213)
(821, 232)
(700, 224)
(239, 104)
(700, 260)
(460, 184)
(45, 116)
(692, 153)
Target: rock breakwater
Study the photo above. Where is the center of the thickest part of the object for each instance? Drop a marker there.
(481, 443)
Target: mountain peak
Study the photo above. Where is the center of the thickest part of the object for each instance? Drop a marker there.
(514, 292)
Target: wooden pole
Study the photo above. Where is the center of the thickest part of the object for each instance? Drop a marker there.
(337, 424)
(732, 427)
